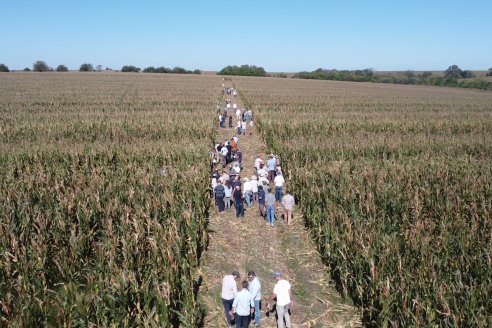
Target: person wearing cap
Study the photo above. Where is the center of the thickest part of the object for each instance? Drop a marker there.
(238, 202)
(243, 306)
(258, 162)
(229, 292)
(254, 188)
(254, 288)
(270, 207)
(247, 189)
(283, 293)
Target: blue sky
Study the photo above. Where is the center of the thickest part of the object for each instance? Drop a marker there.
(277, 35)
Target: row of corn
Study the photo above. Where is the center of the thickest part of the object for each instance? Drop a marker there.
(398, 202)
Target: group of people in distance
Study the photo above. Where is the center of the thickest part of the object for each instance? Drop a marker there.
(243, 116)
(228, 186)
(244, 306)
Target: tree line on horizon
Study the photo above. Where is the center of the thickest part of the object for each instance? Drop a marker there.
(454, 76)
(42, 66)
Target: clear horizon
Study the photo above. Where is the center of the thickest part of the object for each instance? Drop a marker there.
(280, 36)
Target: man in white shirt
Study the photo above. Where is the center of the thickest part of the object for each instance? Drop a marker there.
(254, 188)
(258, 162)
(243, 306)
(223, 156)
(279, 184)
(283, 293)
(229, 292)
(238, 114)
(254, 288)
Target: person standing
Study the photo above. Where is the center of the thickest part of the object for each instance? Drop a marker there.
(270, 207)
(255, 290)
(243, 306)
(279, 185)
(230, 121)
(238, 202)
(219, 196)
(271, 167)
(288, 201)
(229, 292)
(243, 127)
(254, 188)
(227, 195)
(247, 189)
(223, 156)
(283, 293)
(258, 162)
(239, 127)
(261, 201)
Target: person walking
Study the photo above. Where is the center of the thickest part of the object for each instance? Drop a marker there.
(238, 202)
(254, 288)
(279, 184)
(229, 292)
(230, 121)
(243, 306)
(261, 201)
(270, 207)
(289, 202)
(285, 302)
(219, 192)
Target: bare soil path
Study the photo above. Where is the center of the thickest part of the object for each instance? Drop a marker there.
(250, 244)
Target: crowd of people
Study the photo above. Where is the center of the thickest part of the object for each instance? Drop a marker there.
(229, 188)
(261, 190)
(240, 308)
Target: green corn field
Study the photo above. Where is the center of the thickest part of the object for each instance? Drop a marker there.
(395, 184)
(103, 198)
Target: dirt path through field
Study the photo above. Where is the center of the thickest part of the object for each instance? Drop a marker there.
(251, 244)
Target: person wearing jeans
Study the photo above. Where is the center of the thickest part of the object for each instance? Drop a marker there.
(254, 288)
(238, 202)
(270, 208)
(247, 192)
(228, 195)
(229, 292)
(279, 184)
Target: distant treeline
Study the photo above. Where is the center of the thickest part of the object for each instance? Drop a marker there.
(453, 77)
(244, 70)
(41, 66)
(176, 70)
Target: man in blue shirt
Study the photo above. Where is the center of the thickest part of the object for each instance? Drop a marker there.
(271, 163)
